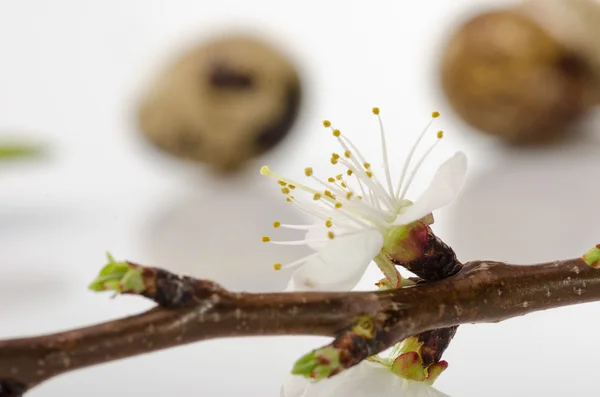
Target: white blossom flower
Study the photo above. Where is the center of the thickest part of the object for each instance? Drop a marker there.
(356, 216)
(367, 379)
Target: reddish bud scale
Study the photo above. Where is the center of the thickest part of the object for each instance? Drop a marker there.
(437, 261)
(435, 342)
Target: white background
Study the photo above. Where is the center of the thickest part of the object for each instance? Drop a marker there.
(70, 75)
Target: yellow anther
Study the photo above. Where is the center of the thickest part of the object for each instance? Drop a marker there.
(288, 199)
(264, 170)
(347, 154)
(367, 165)
(282, 183)
(435, 114)
(276, 224)
(338, 205)
(277, 266)
(335, 156)
(344, 184)
(336, 133)
(330, 235)
(308, 171)
(338, 177)
(375, 110)
(333, 161)
(329, 194)
(328, 223)
(292, 187)
(369, 174)
(440, 134)
(317, 196)
(326, 123)
(331, 180)
(349, 195)
(285, 190)
(359, 197)
(266, 239)
(349, 172)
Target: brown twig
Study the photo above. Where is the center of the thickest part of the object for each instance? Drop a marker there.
(480, 292)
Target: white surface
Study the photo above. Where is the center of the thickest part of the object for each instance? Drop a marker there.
(69, 73)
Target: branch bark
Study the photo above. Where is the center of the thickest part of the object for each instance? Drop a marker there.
(481, 292)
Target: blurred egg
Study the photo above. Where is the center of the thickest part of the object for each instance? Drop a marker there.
(518, 75)
(222, 102)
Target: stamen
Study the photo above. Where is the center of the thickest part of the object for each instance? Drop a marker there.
(338, 177)
(326, 123)
(345, 142)
(308, 171)
(336, 133)
(363, 215)
(297, 242)
(440, 134)
(292, 187)
(267, 172)
(296, 263)
(386, 164)
(411, 153)
(297, 227)
(312, 210)
(370, 183)
(338, 205)
(276, 224)
(317, 196)
(349, 172)
(331, 235)
(285, 190)
(282, 183)
(331, 180)
(266, 239)
(328, 223)
(347, 153)
(277, 266)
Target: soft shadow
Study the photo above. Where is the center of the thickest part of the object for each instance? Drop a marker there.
(214, 232)
(534, 205)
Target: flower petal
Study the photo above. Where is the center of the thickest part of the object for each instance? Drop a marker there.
(339, 265)
(366, 379)
(444, 187)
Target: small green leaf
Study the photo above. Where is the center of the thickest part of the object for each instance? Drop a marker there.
(318, 364)
(119, 277)
(305, 364)
(592, 257)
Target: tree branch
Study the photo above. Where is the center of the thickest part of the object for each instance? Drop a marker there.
(481, 292)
